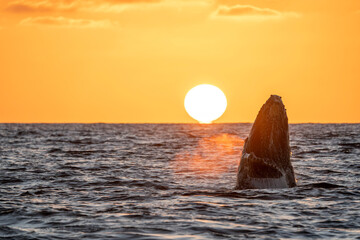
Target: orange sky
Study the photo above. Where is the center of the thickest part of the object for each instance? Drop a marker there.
(128, 61)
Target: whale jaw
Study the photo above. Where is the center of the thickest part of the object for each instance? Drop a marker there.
(257, 173)
(265, 161)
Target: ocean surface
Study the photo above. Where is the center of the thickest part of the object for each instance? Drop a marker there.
(172, 181)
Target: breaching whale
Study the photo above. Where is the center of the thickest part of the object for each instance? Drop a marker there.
(265, 160)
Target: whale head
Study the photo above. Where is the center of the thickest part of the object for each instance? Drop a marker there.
(265, 161)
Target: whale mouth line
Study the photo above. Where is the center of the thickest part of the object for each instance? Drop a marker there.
(262, 167)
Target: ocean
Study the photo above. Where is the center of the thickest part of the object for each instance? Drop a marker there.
(172, 181)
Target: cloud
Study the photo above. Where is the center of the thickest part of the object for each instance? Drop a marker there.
(250, 12)
(24, 6)
(66, 22)
(29, 6)
(246, 10)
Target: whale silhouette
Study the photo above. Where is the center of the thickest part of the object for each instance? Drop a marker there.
(265, 160)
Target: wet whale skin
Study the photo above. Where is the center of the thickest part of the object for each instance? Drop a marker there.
(265, 161)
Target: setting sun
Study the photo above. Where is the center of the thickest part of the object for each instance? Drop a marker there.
(205, 103)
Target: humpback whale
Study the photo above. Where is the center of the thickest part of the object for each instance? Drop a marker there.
(265, 160)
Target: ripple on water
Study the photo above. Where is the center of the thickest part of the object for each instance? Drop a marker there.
(171, 181)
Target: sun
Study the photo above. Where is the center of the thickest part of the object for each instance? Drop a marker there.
(205, 103)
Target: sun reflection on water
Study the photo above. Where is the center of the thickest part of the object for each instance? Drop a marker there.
(212, 155)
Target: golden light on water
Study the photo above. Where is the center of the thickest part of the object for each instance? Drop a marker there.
(205, 103)
(212, 155)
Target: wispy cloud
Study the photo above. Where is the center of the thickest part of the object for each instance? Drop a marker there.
(24, 6)
(66, 22)
(250, 12)
(30, 6)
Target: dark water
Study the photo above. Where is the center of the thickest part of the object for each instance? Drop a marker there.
(174, 181)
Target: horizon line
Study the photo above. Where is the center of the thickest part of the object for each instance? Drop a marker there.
(169, 123)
